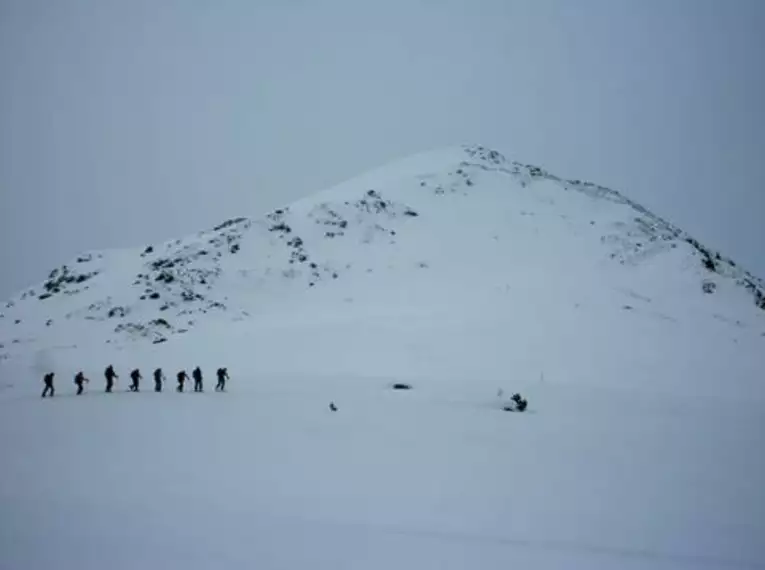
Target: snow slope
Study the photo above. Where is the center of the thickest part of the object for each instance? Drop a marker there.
(640, 350)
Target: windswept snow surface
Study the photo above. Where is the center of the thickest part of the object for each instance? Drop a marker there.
(461, 274)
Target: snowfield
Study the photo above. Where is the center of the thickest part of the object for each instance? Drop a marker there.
(460, 272)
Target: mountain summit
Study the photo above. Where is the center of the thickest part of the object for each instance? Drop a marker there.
(442, 227)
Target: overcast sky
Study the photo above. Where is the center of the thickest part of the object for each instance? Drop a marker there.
(127, 122)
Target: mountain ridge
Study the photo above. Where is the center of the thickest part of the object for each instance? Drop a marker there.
(163, 290)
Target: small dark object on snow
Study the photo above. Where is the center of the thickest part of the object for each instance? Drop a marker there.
(48, 379)
(401, 386)
(332, 406)
(519, 404)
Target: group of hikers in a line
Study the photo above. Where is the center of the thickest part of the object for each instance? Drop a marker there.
(159, 378)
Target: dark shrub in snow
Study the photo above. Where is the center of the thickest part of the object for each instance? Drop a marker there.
(517, 404)
(708, 287)
(154, 295)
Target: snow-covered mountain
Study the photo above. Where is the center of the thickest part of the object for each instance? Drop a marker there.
(459, 272)
(450, 225)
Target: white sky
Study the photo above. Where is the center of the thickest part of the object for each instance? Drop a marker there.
(125, 123)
